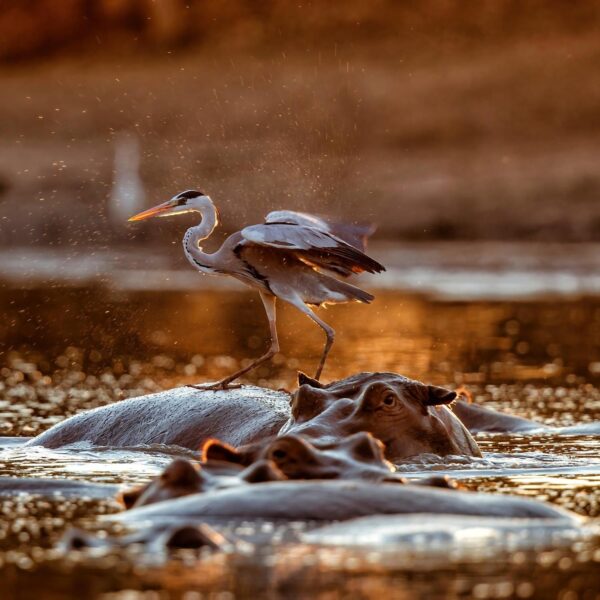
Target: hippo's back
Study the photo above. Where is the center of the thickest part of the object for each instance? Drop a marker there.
(183, 416)
(328, 500)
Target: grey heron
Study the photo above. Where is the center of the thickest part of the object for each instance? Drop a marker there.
(292, 256)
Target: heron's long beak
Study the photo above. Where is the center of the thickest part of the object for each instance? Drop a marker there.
(154, 211)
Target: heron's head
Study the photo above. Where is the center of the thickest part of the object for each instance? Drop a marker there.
(185, 202)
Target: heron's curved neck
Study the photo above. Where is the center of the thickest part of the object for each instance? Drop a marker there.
(194, 235)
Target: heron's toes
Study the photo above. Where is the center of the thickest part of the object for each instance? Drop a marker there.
(215, 386)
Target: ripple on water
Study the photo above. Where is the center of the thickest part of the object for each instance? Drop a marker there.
(82, 461)
(529, 359)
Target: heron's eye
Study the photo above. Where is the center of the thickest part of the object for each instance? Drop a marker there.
(389, 400)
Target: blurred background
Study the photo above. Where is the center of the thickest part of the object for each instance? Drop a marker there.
(468, 132)
(438, 119)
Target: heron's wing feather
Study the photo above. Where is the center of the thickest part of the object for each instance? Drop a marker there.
(291, 217)
(312, 245)
(354, 234)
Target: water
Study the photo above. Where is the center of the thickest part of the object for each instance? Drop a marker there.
(68, 349)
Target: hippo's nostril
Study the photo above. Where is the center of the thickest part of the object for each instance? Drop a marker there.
(78, 543)
(194, 537)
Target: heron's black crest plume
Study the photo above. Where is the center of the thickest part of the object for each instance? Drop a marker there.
(189, 194)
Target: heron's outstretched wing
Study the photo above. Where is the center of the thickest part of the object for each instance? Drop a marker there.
(354, 234)
(312, 245)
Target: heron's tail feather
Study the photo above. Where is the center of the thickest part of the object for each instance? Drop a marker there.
(347, 291)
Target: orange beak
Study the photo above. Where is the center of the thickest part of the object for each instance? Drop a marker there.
(152, 212)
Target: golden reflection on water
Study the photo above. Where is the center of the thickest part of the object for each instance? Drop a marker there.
(214, 332)
(63, 351)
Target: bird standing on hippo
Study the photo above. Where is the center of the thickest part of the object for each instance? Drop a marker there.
(408, 416)
(292, 256)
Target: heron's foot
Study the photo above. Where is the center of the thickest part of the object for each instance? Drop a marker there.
(219, 385)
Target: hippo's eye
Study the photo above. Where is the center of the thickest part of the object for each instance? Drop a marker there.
(279, 454)
(389, 400)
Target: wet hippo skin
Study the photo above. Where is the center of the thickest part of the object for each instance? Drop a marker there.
(291, 457)
(182, 478)
(482, 419)
(430, 535)
(336, 500)
(359, 456)
(409, 417)
(441, 534)
(156, 540)
(182, 416)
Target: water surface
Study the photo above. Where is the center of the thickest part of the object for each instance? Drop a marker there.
(65, 350)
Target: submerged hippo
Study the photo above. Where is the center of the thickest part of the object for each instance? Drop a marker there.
(481, 419)
(430, 536)
(156, 540)
(335, 500)
(182, 416)
(182, 478)
(408, 416)
(441, 535)
(360, 457)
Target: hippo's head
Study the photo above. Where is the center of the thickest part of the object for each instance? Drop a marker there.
(409, 417)
(359, 456)
(182, 478)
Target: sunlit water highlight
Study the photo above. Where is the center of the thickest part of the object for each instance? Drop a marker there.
(528, 358)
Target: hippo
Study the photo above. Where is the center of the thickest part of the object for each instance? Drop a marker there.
(156, 539)
(333, 500)
(427, 535)
(359, 457)
(182, 478)
(183, 417)
(479, 419)
(444, 534)
(409, 417)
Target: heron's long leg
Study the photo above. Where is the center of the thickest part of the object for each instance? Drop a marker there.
(329, 332)
(223, 384)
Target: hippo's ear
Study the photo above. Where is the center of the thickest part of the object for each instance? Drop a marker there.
(365, 447)
(393, 478)
(441, 481)
(439, 395)
(216, 450)
(129, 497)
(261, 471)
(181, 472)
(304, 379)
(462, 393)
